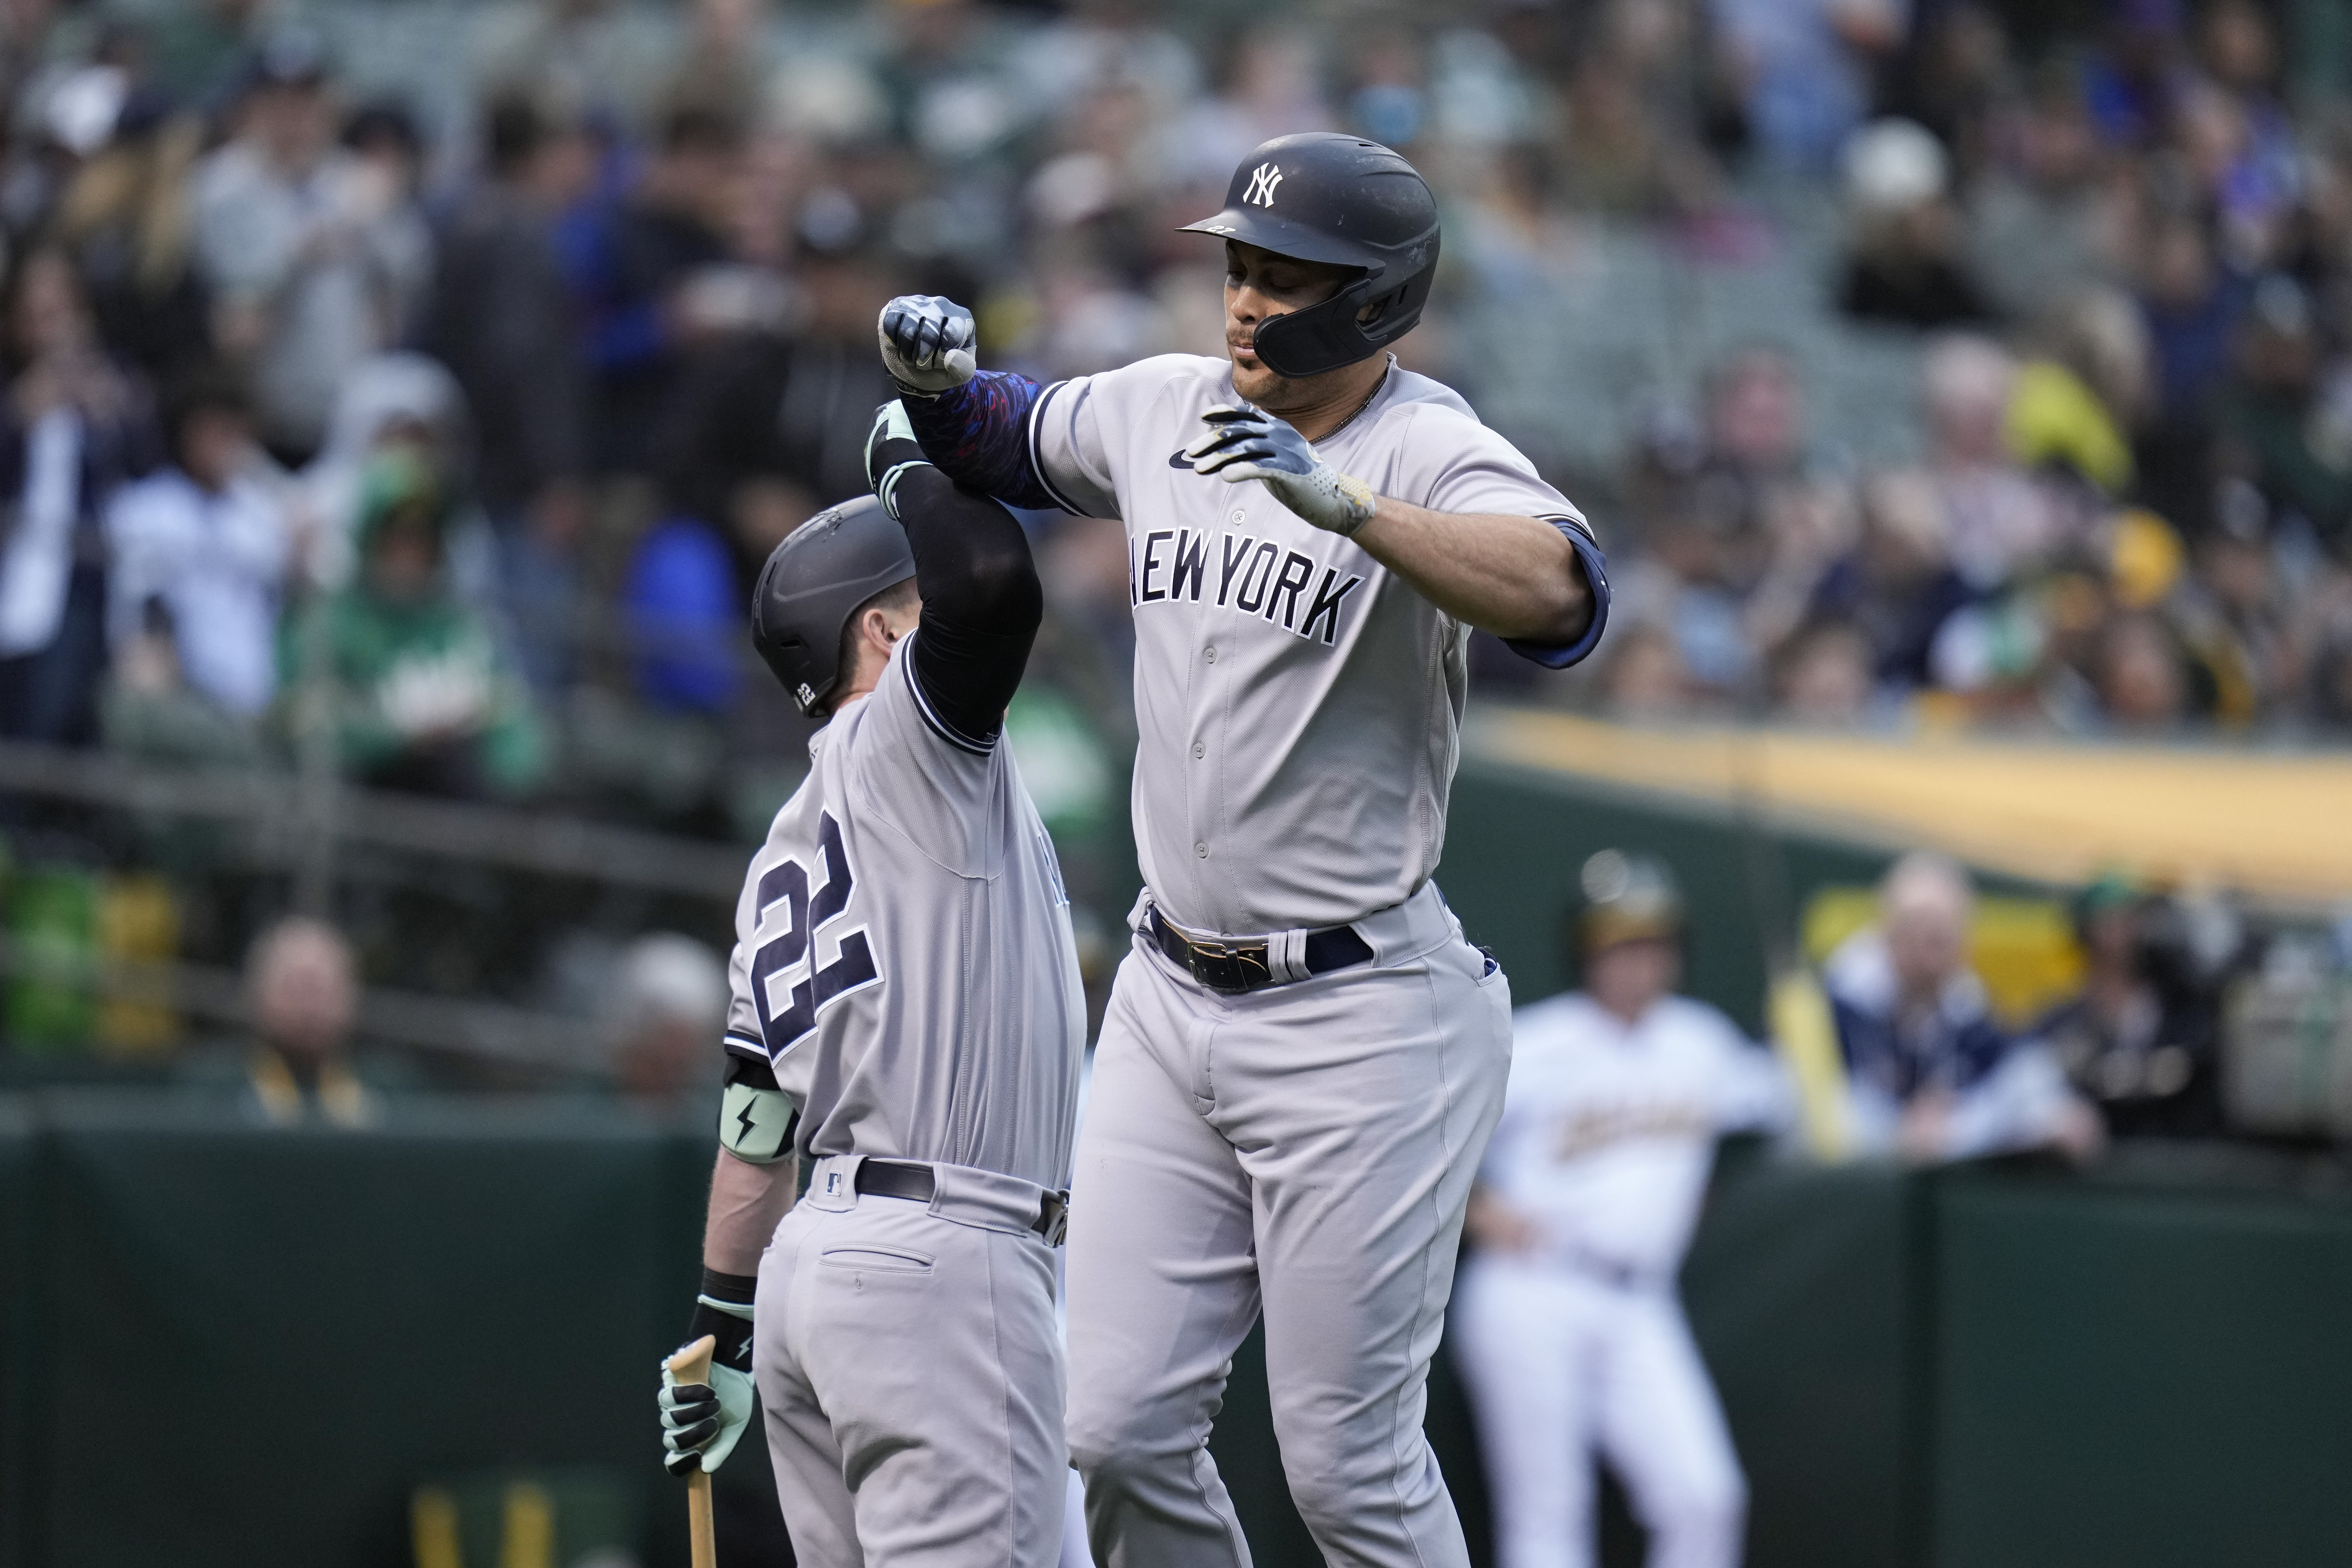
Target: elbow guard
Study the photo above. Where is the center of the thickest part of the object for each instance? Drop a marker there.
(756, 1119)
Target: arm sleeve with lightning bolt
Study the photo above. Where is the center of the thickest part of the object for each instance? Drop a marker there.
(757, 1119)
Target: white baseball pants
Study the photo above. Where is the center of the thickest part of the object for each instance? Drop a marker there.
(1305, 1150)
(910, 1370)
(1560, 1365)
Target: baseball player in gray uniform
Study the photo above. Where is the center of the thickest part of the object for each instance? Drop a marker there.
(1302, 1056)
(907, 1016)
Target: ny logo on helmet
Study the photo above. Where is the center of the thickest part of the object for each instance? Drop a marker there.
(1262, 183)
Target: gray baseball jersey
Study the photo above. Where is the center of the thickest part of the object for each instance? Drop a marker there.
(903, 952)
(1298, 705)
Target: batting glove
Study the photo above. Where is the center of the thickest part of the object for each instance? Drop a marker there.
(701, 1421)
(1245, 443)
(927, 344)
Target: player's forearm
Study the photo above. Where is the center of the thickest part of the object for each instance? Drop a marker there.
(1517, 577)
(745, 1201)
(978, 435)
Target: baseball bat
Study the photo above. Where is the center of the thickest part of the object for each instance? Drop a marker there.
(692, 1364)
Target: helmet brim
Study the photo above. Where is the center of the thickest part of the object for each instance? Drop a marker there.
(1283, 237)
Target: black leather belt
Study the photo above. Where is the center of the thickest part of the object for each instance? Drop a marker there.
(915, 1183)
(1237, 966)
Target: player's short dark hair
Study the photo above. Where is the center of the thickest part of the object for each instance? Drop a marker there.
(897, 595)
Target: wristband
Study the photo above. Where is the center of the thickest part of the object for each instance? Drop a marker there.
(723, 1311)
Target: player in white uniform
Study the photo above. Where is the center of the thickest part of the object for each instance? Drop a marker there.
(1302, 1056)
(1568, 1331)
(908, 1016)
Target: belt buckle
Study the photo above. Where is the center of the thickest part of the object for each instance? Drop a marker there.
(1241, 956)
(1054, 1217)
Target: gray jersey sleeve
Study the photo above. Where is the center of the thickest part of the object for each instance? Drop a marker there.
(1081, 430)
(917, 776)
(1457, 465)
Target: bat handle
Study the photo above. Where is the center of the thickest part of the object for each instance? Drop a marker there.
(692, 1364)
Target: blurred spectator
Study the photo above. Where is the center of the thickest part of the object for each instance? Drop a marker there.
(313, 254)
(684, 613)
(1930, 1074)
(1897, 586)
(2138, 75)
(501, 320)
(1823, 676)
(2141, 1041)
(2082, 389)
(2274, 408)
(671, 232)
(1999, 522)
(769, 429)
(1906, 263)
(73, 428)
(2047, 219)
(668, 1009)
(1804, 69)
(422, 697)
(606, 59)
(1643, 676)
(303, 998)
(201, 549)
(2139, 674)
(126, 221)
(405, 400)
(2189, 304)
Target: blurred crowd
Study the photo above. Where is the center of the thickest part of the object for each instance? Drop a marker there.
(412, 392)
(2119, 254)
(464, 396)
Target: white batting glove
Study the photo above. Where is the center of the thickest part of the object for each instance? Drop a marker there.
(927, 344)
(701, 1421)
(1246, 444)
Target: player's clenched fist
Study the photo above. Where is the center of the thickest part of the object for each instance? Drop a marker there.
(1246, 444)
(927, 343)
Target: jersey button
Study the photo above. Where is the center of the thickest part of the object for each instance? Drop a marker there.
(1199, 751)
(1202, 850)
(1210, 654)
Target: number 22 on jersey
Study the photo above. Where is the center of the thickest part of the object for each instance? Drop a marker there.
(785, 967)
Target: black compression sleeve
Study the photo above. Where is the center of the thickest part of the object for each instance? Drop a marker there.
(981, 602)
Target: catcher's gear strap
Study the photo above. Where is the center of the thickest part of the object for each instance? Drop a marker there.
(756, 1118)
(978, 434)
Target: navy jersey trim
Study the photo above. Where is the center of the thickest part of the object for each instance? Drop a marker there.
(1559, 656)
(939, 726)
(1037, 456)
(744, 1045)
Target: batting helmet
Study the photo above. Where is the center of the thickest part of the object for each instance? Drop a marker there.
(812, 583)
(1323, 196)
(1627, 898)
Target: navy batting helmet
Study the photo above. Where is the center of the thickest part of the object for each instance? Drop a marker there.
(1323, 196)
(812, 583)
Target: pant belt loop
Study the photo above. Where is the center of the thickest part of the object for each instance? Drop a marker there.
(1285, 956)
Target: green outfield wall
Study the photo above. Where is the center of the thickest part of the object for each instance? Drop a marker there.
(225, 1345)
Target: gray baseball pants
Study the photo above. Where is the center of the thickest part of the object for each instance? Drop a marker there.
(1305, 1152)
(910, 1368)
